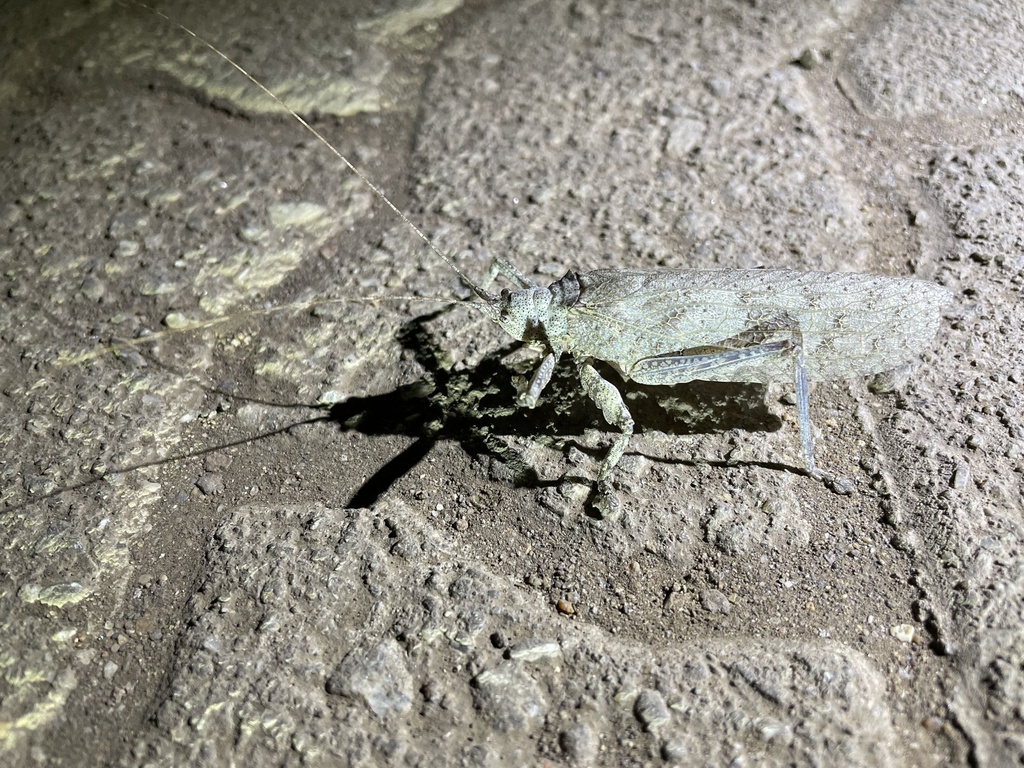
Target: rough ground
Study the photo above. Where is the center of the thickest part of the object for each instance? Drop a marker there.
(324, 535)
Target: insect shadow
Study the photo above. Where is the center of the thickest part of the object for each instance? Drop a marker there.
(476, 407)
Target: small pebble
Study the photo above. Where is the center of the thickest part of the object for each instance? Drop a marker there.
(810, 58)
(127, 249)
(210, 483)
(650, 709)
(961, 476)
(715, 601)
(93, 288)
(902, 632)
(579, 744)
(674, 751)
(534, 650)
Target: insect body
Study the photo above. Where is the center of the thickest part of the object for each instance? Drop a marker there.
(665, 327)
(669, 326)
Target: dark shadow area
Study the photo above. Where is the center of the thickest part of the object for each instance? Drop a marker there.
(477, 408)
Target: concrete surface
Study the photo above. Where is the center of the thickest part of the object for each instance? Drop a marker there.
(258, 511)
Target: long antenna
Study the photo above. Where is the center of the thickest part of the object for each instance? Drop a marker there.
(485, 295)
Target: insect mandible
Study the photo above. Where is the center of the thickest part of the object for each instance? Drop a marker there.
(670, 326)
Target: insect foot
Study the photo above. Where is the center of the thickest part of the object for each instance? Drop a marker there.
(604, 503)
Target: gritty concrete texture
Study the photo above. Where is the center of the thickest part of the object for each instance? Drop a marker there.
(267, 501)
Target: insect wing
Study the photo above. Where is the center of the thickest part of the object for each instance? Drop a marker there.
(849, 324)
(626, 315)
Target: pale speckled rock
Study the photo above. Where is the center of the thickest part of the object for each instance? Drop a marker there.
(981, 189)
(509, 699)
(378, 676)
(965, 63)
(580, 744)
(371, 678)
(715, 601)
(650, 709)
(684, 137)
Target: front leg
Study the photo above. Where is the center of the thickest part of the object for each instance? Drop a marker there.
(609, 400)
(540, 379)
